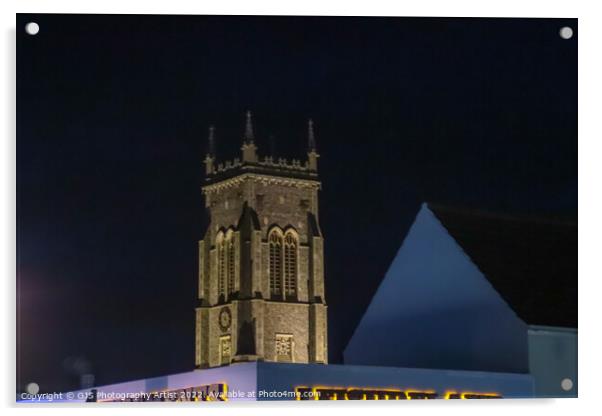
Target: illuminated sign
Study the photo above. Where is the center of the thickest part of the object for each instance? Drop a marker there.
(219, 392)
(369, 393)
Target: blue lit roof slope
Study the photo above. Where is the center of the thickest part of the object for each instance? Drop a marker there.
(462, 289)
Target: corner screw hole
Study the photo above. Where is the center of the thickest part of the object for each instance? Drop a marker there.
(32, 28)
(566, 32)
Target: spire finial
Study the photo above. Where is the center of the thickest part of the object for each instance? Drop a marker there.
(249, 136)
(210, 157)
(311, 139)
(272, 145)
(211, 142)
(249, 150)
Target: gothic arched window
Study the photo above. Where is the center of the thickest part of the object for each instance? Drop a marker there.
(290, 264)
(221, 266)
(275, 266)
(231, 260)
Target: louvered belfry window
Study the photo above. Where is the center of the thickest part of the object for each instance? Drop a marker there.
(275, 269)
(290, 265)
(231, 263)
(221, 266)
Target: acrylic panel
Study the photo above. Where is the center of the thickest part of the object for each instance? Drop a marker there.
(295, 208)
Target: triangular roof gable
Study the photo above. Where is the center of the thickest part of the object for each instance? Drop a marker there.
(434, 308)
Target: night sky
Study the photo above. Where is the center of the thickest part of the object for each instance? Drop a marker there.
(112, 118)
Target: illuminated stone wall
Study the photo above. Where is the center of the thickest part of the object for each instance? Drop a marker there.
(250, 204)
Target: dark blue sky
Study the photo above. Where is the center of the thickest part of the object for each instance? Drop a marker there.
(112, 115)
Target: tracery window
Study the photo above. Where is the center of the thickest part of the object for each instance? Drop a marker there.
(290, 264)
(226, 264)
(275, 262)
(231, 261)
(283, 263)
(221, 266)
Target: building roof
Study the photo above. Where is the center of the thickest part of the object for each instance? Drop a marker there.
(532, 263)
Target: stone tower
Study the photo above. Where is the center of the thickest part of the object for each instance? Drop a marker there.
(261, 265)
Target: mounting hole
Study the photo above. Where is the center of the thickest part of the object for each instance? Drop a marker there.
(32, 388)
(32, 28)
(566, 384)
(566, 32)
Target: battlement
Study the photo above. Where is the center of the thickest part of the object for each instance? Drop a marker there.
(280, 167)
(267, 162)
(252, 162)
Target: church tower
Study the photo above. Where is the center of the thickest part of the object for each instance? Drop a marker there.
(261, 263)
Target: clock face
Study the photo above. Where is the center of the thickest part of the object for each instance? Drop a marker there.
(225, 318)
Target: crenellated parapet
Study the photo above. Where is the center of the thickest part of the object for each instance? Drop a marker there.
(268, 163)
(228, 164)
(250, 160)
